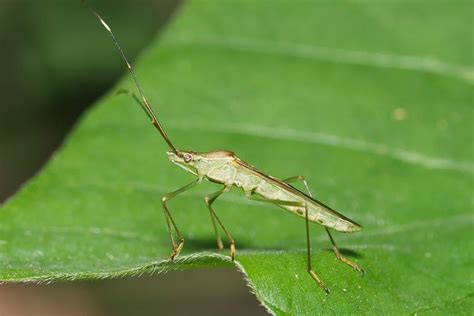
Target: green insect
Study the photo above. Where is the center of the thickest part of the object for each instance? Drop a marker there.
(225, 168)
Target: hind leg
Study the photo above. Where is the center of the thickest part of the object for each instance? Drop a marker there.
(308, 240)
(334, 246)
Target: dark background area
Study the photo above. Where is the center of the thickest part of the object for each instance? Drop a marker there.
(56, 60)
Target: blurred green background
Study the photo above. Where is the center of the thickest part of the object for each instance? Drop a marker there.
(55, 54)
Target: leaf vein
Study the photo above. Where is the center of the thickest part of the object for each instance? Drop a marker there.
(407, 156)
(336, 55)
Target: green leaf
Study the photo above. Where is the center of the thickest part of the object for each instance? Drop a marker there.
(371, 102)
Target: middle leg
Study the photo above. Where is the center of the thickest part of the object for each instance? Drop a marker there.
(209, 199)
(337, 253)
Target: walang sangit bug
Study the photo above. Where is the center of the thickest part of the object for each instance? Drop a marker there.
(224, 167)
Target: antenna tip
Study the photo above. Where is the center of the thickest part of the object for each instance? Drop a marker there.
(107, 27)
(105, 24)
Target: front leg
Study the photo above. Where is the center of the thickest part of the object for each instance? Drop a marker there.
(334, 246)
(169, 218)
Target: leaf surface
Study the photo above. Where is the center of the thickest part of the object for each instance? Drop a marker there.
(371, 102)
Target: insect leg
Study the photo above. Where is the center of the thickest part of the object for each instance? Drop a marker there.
(334, 246)
(299, 178)
(310, 268)
(209, 199)
(169, 218)
(308, 242)
(343, 259)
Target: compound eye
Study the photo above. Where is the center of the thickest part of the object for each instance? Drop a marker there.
(188, 157)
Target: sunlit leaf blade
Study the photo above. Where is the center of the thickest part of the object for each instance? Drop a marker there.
(371, 102)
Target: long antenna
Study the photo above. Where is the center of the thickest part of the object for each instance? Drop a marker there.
(145, 104)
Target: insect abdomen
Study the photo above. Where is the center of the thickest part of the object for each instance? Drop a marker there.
(317, 213)
(251, 180)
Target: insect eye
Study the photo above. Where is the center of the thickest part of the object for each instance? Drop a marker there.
(187, 157)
